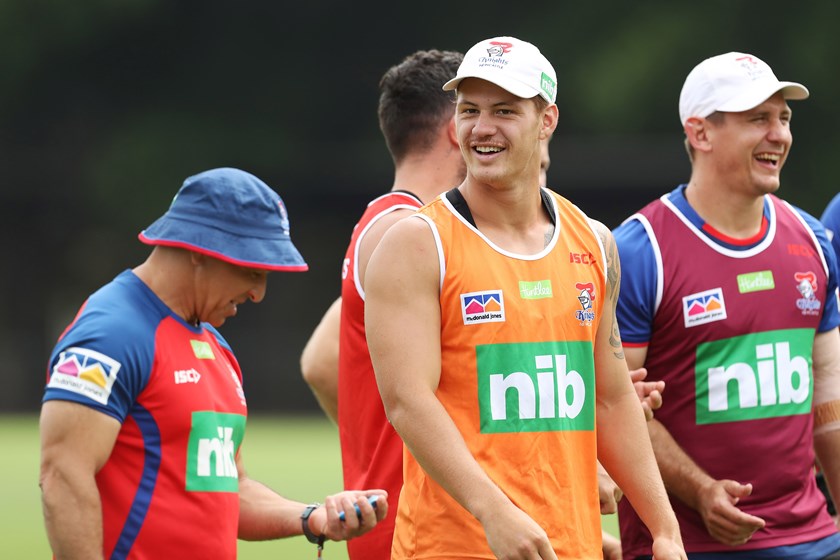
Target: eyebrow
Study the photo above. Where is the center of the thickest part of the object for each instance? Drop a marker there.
(758, 112)
(498, 104)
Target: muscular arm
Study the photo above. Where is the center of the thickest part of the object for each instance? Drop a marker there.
(319, 361)
(623, 443)
(402, 316)
(827, 407)
(715, 500)
(75, 443)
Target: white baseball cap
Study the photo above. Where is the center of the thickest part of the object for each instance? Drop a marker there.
(732, 82)
(514, 65)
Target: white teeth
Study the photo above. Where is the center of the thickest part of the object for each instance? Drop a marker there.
(768, 157)
(487, 149)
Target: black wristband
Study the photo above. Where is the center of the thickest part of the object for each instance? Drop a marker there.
(304, 521)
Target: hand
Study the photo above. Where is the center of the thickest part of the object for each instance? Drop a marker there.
(610, 546)
(649, 392)
(725, 522)
(513, 535)
(609, 494)
(325, 520)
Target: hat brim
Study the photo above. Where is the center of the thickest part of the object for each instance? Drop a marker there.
(276, 253)
(757, 96)
(515, 87)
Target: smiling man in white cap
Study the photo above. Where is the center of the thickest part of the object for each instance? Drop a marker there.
(491, 323)
(144, 410)
(729, 296)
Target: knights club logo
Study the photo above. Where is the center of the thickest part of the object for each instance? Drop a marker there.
(498, 48)
(586, 297)
(806, 285)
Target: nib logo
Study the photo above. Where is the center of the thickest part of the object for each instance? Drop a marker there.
(215, 438)
(761, 375)
(536, 387)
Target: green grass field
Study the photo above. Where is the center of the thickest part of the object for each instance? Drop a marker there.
(296, 456)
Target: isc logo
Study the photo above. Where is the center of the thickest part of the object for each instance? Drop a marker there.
(533, 387)
(186, 376)
(763, 375)
(582, 258)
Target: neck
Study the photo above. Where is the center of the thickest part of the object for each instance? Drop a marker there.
(165, 272)
(430, 174)
(726, 209)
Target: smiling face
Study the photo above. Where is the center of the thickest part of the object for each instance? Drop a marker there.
(749, 148)
(220, 287)
(500, 133)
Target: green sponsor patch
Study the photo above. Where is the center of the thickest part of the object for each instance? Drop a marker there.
(536, 387)
(202, 350)
(756, 281)
(548, 85)
(215, 438)
(535, 290)
(760, 375)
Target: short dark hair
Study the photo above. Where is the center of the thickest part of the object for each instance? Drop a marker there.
(412, 103)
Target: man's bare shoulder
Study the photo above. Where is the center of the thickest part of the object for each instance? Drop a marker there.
(408, 239)
(603, 232)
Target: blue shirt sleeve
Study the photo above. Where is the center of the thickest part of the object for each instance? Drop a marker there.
(105, 358)
(639, 277)
(831, 220)
(831, 316)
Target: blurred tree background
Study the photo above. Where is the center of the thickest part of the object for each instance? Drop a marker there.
(106, 106)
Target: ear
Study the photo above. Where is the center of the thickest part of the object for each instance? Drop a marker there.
(697, 134)
(550, 117)
(452, 134)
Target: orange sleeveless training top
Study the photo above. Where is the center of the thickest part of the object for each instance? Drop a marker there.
(517, 378)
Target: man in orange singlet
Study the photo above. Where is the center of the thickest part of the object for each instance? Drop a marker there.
(490, 318)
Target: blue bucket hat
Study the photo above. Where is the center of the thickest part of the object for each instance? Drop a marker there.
(230, 215)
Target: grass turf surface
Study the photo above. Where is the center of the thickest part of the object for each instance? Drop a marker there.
(298, 457)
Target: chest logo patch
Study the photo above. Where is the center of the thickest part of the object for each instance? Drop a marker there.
(754, 376)
(536, 387)
(483, 307)
(704, 307)
(586, 297)
(535, 290)
(215, 438)
(202, 350)
(806, 284)
(756, 282)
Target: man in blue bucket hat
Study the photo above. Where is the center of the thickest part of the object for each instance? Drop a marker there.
(144, 412)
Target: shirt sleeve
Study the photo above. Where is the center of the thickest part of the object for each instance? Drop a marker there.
(639, 276)
(831, 220)
(102, 361)
(831, 316)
